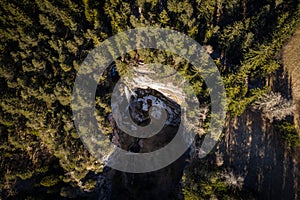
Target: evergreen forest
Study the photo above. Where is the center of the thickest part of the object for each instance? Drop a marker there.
(44, 42)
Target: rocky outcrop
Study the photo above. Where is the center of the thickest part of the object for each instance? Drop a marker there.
(160, 184)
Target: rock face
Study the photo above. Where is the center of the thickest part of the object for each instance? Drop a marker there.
(152, 95)
(161, 184)
(161, 78)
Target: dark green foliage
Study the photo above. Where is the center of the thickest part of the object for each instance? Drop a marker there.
(42, 44)
(289, 133)
(209, 181)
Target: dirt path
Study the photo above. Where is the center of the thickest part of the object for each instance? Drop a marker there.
(291, 61)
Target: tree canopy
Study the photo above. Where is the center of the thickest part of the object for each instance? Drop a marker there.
(43, 43)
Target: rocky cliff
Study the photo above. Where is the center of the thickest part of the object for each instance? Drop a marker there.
(160, 184)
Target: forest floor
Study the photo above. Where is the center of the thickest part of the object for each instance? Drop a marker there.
(291, 62)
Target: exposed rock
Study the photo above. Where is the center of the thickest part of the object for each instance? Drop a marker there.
(161, 184)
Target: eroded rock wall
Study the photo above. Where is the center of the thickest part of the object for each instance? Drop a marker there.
(161, 184)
